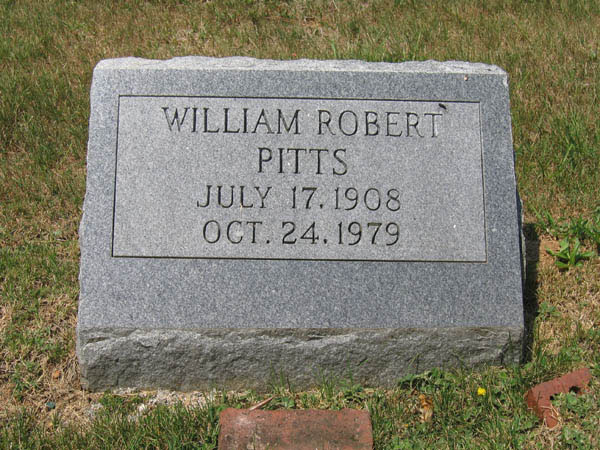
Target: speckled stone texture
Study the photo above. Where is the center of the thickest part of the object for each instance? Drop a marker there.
(160, 308)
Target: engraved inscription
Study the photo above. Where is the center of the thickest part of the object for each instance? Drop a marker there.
(312, 179)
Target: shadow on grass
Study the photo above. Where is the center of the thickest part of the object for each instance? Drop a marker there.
(530, 300)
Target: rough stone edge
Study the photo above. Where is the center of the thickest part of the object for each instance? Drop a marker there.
(247, 63)
(253, 358)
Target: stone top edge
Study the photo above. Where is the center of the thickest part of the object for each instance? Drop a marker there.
(245, 63)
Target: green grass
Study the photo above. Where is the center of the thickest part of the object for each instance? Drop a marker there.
(461, 417)
(47, 53)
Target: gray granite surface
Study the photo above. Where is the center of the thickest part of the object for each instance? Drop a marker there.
(183, 192)
(175, 294)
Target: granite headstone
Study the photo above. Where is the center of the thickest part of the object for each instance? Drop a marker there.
(246, 218)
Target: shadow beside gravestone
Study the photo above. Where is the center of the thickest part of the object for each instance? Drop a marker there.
(530, 300)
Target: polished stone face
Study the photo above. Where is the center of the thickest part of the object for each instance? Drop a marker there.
(314, 179)
(310, 215)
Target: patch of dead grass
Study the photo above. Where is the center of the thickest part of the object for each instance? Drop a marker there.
(574, 293)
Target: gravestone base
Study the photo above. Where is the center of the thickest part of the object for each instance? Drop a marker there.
(251, 359)
(246, 219)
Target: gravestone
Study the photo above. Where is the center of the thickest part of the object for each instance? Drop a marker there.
(248, 219)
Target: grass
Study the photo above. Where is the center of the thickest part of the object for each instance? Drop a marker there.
(47, 53)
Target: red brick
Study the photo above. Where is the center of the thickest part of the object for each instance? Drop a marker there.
(348, 429)
(539, 397)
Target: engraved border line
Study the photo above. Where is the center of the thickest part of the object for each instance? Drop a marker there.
(297, 259)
